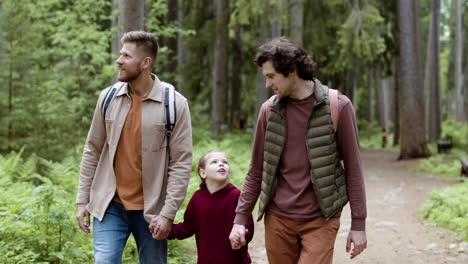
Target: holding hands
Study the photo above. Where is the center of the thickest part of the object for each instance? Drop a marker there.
(160, 227)
(237, 236)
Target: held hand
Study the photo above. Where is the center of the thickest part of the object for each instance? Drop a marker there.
(83, 218)
(160, 227)
(237, 236)
(358, 238)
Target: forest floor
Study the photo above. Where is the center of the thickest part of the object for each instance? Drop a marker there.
(395, 232)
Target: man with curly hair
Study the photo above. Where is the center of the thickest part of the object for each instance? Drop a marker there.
(305, 163)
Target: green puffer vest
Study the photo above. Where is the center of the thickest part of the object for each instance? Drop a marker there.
(327, 173)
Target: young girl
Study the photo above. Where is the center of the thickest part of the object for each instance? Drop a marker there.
(210, 214)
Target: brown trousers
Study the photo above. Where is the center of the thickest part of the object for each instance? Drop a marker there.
(290, 242)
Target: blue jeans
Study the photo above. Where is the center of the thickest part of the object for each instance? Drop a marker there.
(110, 236)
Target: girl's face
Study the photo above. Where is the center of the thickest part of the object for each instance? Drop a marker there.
(216, 168)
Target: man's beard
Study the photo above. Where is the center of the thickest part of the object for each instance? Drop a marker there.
(129, 76)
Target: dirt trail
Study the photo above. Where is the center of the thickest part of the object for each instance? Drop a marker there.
(395, 232)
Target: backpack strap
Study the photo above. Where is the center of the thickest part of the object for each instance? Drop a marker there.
(110, 95)
(170, 107)
(333, 97)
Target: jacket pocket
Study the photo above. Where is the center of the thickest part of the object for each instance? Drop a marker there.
(159, 138)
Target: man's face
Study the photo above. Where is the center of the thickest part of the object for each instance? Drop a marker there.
(281, 85)
(129, 63)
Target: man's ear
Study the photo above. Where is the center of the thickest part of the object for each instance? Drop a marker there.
(202, 173)
(147, 63)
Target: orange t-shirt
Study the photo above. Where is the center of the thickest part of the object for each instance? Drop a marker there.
(127, 162)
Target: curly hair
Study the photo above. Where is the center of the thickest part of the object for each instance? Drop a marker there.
(286, 57)
(144, 40)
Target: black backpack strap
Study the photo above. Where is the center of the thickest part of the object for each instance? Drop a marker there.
(111, 93)
(170, 107)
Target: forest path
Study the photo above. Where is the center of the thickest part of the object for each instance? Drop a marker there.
(395, 233)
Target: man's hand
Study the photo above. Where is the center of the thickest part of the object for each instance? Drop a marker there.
(82, 217)
(237, 236)
(358, 238)
(160, 227)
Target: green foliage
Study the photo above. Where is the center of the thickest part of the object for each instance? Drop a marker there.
(459, 133)
(37, 222)
(449, 208)
(57, 59)
(360, 37)
(440, 164)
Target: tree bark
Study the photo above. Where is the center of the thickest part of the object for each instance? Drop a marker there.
(433, 74)
(276, 25)
(220, 68)
(262, 93)
(459, 99)
(296, 20)
(130, 18)
(236, 83)
(413, 132)
(172, 16)
(396, 103)
(370, 99)
(350, 83)
(181, 55)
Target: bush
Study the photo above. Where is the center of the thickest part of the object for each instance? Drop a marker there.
(458, 131)
(449, 208)
(447, 166)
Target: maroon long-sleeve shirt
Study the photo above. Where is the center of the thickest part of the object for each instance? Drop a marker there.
(210, 217)
(294, 197)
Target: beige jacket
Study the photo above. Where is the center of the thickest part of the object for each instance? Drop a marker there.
(165, 167)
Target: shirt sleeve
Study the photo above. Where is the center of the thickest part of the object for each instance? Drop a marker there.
(253, 181)
(92, 151)
(250, 229)
(348, 142)
(185, 229)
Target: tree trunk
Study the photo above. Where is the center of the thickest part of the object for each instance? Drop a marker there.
(220, 67)
(181, 56)
(10, 107)
(276, 24)
(377, 87)
(296, 20)
(459, 99)
(350, 83)
(236, 81)
(115, 41)
(433, 74)
(396, 103)
(262, 93)
(413, 132)
(131, 17)
(370, 99)
(386, 101)
(172, 16)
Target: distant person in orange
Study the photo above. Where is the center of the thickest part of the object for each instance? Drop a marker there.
(304, 134)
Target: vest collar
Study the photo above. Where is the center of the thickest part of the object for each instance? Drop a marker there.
(321, 96)
(321, 93)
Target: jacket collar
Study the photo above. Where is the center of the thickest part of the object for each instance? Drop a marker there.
(156, 93)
